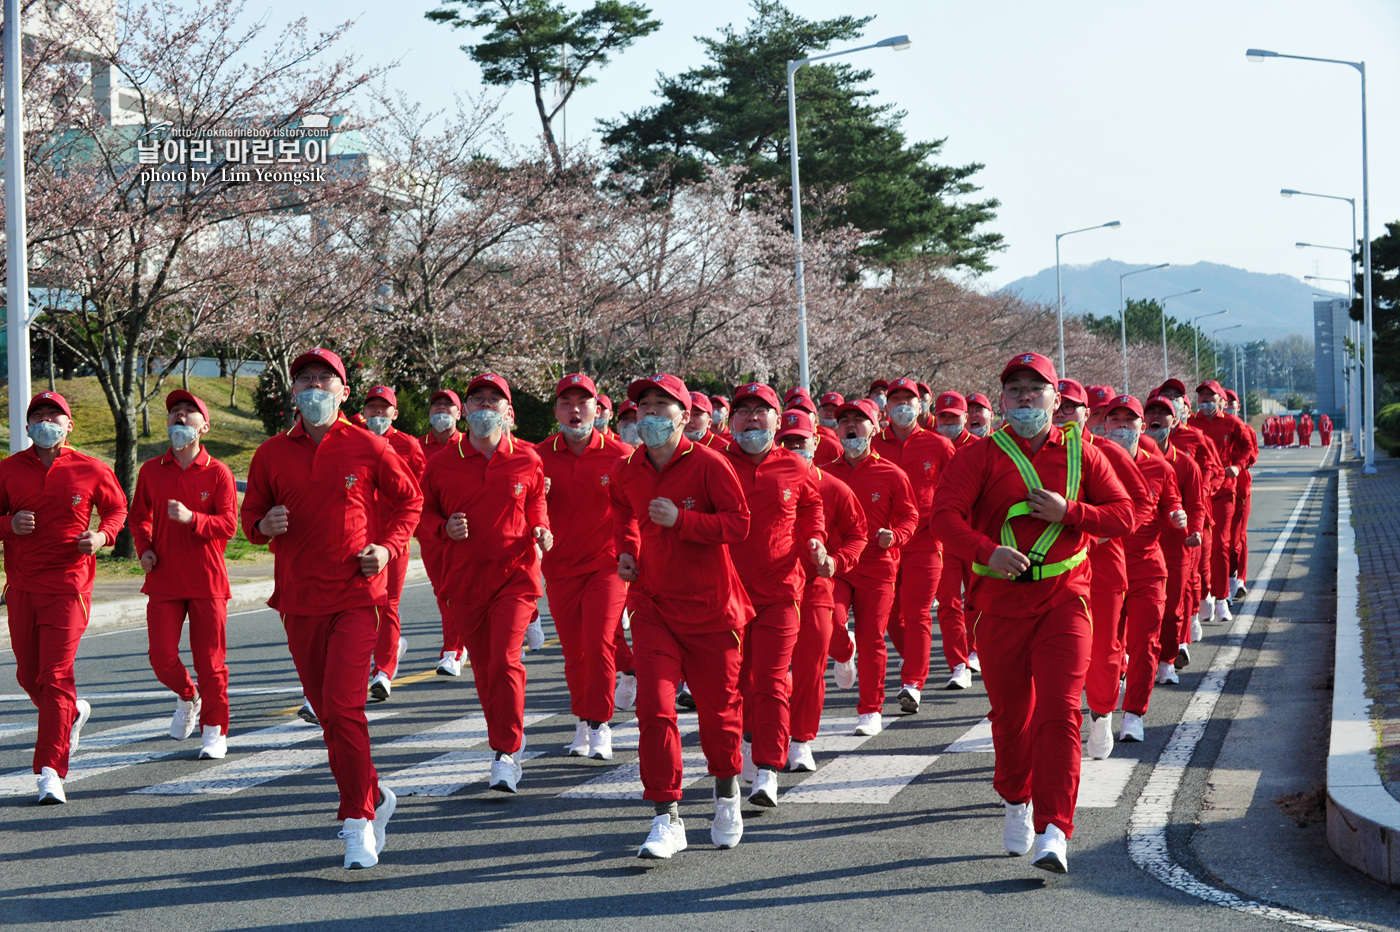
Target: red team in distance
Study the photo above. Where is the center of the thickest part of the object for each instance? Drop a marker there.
(750, 541)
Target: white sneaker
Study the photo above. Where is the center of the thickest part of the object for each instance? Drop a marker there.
(625, 694)
(800, 759)
(359, 844)
(961, 678)
(1197, 632)
(1166, 673)
(1183, 657)
(50, 787)
(505, 774)
(450, 664)
(213, 743)
(1050, 848)
(403, 648)
(909, 699)
(600, 742)
(869, 724)
(579, 746)
(1241, 590)
(765, 790)
(382, 814)
(1122, 689)
(1132, 727)
(380, 687)
(665, 839)
(684, 700)
(1017, 828)
(1222, 610)
(84, 713)
(1234, 585)
(626, 620)
(1100, 737)
(1207, 608)
(534, 634)
(846, 672)
(728, 826)
(748, 770)
(973, 663)
(185, 719)
(306, 713)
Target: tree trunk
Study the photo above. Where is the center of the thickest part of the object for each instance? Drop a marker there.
(125, 467)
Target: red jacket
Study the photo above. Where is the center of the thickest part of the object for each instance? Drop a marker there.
(1109, 559)
(685, 570)
(845, 537)
(1202, 450)
(432, 446)
(887, 499)
(1195, 501)
(329, 490)
(62, 497)
(714, 441)
(981, 484)
(503, 500)
(785, 511)
(1142, 547)
(965, 439)
(410, 450)
(580, 508)
(828, 446)
(922, 455)
(1227, 433)
(189, 557)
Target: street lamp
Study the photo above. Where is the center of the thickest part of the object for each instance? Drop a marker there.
(17, 311)
(1289, 192)
(1215, 352)
(1196, 338)
(1059, 295)
(899, 44)
(1360, 66)
(1123, 316)
(1166, 374)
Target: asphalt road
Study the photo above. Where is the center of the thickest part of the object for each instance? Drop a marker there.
(900, 831)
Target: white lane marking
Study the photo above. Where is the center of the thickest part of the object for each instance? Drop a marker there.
(446, 774)
(147, 730)
(976, 740)
(1147, 828)
(15, 730)
(1102, 782)
(862, 779)
(167, 694)
(625, 735)
(87, 764)
(834, 734)
(625, 782)
(460, 734)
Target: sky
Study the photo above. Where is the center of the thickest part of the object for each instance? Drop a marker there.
(1083, 112)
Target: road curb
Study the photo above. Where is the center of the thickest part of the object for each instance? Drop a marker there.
(1363, 819)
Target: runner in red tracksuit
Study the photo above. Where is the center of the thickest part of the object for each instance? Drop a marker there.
(1227, 433)
(786, 532)
(1305, 431)
(891, 517)
(950, 419)
(979, 416)
(828, 447)
(378, 414)
(922, 454)
(719, 423)
(1324, 429)
(701, 417)
(1147, 585)
(444, 413)
(484, 501)
(1244, 491)
(1179, 545)
(183, 514)
(1033, 635)
(677, 508)
(585, 594)
(312, 495)
(603, 416)
(48, 493)
(845, 540)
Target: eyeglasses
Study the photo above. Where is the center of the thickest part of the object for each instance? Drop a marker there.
(1025, 391)
(305, 377)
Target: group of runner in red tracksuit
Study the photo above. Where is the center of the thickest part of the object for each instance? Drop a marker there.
(746, 541)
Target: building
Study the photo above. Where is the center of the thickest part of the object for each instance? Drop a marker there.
(1333, 344)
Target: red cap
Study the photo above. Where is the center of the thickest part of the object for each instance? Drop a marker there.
(865, 407)
(719, 401)
(1126, 401)
(181, 395)
(793, 392)
(1211, 385)
(794, 423)
(490, 378)
(1040, 365)
(667, 383)
(702, 401)
(1233, 397)
(904, 385)
(447, 393)
(762, 392)
(1073, 392)
(627, 405)
(982, 401)
(50, 398)
(1099, 395)
(1161, 400)
(379, 391)
(801, 402)
(1171, 383)
(924, 389)
(879, 383)
(833, 398)
(949, 401)
(574, 380)
(604, 403)
(317, 355)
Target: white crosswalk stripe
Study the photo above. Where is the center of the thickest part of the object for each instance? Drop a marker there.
(625, 735)
(625, 782)
(446, 773)
(17, 730)
(1101, 782)
(860, 778)
(460, 734)
(94, 755)
(976, 740)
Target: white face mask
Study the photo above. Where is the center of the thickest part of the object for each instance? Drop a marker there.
(1125, 437)
(1207, 408)
(628, 433)
(318, 407)
(829, 422)
(754, 441)
(576, 434)
(979, 431)
(1159, 435)
(903, 415)
(805, 453)
(601, 422)
(694, 436)
(443, 421)
(655, 430)
(181, 436)
(855, 446)
(1027, 422)
(951, 431)
(485, 422)
(46, 434)
(379, 425)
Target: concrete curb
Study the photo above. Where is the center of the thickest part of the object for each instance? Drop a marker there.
(1363, 819)
(248, 595)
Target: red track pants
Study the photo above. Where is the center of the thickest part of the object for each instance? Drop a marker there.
(451, 636)
(1239, 534)
(1144, 611)
(165, 618)
(386, 650)
(809, 669)
(493, 630)
(587, 612)
(765, 683)
(1034, 671)
(1222, 510)
(332, 654)
(872, 608)
(44, 632)
(1176, 618)
(1106, 650)
(952, 623)
(708, 663)
(911, 616)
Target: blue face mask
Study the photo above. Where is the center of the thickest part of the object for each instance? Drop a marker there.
(1125, 437)
(628, 433)
(1027, 422)
(379, 425)
(903, 415)
(655, 430)
(443, 421)
(318, 407)
(951, 431)
(181, 436)
(1160, 434)
(46, 434)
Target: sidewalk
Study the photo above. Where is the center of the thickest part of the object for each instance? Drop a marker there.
(1375, 504)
